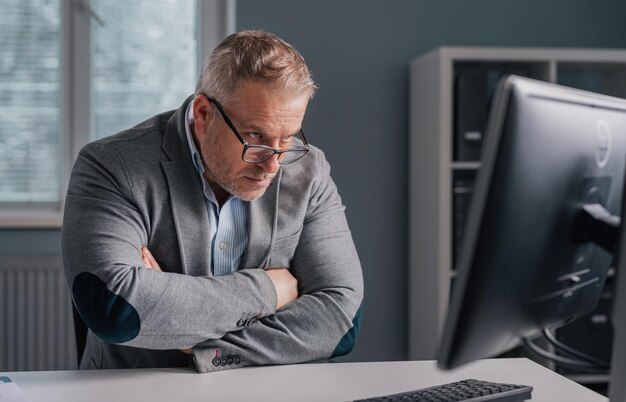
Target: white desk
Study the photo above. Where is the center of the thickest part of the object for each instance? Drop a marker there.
(306, 382)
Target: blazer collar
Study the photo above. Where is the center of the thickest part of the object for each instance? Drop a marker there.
(174, 140)
(186, 197)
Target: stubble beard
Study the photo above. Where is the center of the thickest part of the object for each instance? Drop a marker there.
(217, 171)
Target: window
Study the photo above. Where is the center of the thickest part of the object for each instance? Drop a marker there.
(144, 60)
(75, 71)
(30, 112)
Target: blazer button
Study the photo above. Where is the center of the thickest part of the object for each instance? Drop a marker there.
(230, 359)
(241, 323)
(224, 361)
(237, 359)
(216, 361)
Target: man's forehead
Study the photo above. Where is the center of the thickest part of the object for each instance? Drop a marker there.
(273, 128)
(265, 110)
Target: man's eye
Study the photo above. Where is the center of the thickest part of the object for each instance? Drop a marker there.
(287, 140)
(254, 136)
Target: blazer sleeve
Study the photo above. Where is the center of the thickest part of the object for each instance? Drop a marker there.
(324, 320)
(123, 302)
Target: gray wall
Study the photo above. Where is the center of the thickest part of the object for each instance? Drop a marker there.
(359, 53)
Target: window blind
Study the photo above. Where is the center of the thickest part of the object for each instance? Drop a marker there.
(30, 101)
(144, 60)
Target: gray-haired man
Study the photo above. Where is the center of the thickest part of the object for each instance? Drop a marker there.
(214, 231)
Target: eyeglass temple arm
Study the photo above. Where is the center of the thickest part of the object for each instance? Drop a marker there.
(226, 118)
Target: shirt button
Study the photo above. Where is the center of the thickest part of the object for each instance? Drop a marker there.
(222, 246)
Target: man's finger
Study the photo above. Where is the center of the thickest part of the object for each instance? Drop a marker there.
(148, 260)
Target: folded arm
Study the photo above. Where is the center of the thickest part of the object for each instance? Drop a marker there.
(124, 302)
(322, 322)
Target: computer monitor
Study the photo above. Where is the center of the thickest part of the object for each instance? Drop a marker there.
(543, 220)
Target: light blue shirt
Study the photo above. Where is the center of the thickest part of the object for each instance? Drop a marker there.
(228, 226)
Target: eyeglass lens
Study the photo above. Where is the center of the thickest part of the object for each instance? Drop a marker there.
(259, 154)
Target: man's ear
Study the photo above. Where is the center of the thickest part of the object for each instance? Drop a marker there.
(203, 113)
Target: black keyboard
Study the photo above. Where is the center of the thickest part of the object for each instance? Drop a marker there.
(466, 390)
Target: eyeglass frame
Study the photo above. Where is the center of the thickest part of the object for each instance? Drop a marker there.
(247, 146)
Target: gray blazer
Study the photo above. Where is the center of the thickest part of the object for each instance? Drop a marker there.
(140, 188)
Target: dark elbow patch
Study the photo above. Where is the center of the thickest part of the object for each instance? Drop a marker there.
(346, 344)
(106, 314)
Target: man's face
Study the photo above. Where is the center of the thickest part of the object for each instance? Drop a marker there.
(262, 116)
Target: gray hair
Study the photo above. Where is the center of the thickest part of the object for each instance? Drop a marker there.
(258, 56)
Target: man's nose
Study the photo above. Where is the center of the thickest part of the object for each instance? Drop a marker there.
(271, 165)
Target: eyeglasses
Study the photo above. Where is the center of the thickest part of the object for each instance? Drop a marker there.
(261, 153)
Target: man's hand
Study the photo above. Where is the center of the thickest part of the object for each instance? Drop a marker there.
(285, 284)
(148, 260)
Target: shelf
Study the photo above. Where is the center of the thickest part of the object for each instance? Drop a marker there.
(589, 378)
(465, 165)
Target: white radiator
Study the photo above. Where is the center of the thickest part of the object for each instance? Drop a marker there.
(36, 327)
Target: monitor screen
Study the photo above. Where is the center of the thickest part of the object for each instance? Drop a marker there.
(529, 259)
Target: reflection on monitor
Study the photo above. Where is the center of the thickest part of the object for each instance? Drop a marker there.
(543, 221)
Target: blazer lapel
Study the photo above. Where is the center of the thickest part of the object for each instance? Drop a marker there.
(185, 193)
(262, 222)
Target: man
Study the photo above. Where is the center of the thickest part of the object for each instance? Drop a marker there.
(214, 231)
